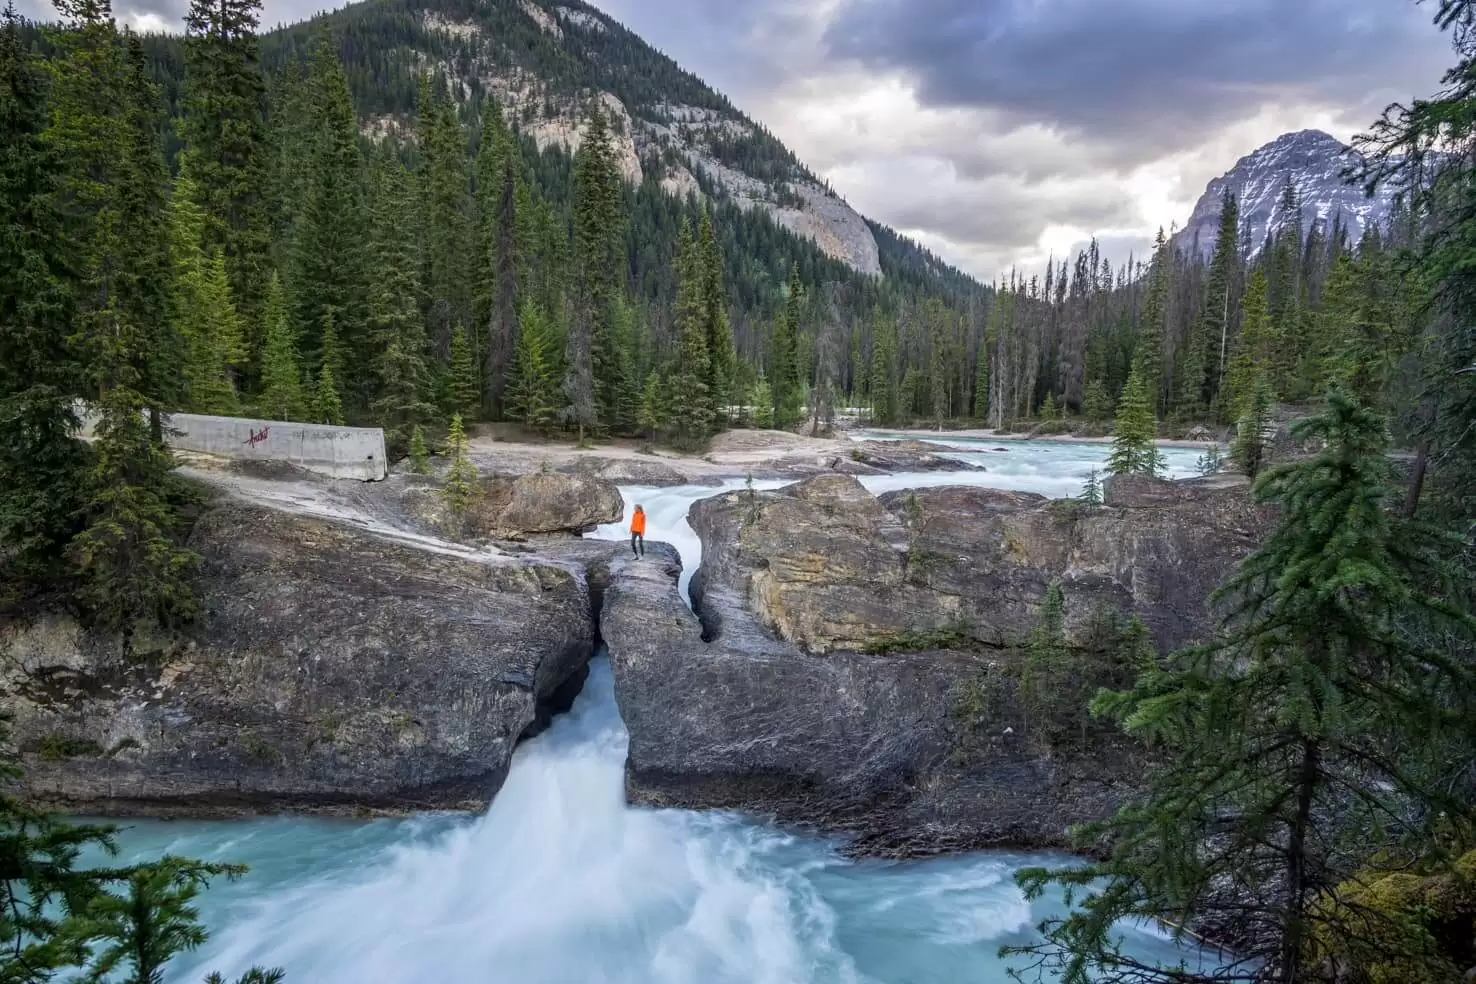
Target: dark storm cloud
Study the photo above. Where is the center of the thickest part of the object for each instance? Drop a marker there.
(1158, 73)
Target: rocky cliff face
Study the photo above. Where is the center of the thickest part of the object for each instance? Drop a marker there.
(686, 144)
(763, 701)
(1312, 162)
(333, 669)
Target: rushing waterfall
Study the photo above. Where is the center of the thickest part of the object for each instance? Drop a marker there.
(560, 882)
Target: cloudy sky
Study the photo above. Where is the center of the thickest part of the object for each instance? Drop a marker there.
(1000, 131)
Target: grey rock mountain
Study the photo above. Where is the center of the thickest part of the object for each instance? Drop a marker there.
(1315, 164)
(667, 124)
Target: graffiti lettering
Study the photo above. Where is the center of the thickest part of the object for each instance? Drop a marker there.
(257, 436)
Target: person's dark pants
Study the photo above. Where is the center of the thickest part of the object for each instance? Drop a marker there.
(638, 538)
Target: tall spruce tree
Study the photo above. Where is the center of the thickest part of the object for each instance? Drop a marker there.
(463, 390)
(41, 465)
(593, 380)
(1148, 354)
(282, 396)
(1315, 723)
(533, 393)
(1254, 350)
(691, 409)
(498, 242)
(786, 361)
(447, 238)
(329, 242)
(225, 141)
(721, 358)
(1133, 449)
(1219, 295)
(396, 324)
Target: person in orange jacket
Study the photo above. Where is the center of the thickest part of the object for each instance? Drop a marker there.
(638, 532)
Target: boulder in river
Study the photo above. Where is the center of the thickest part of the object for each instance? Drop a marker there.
(819, 680)
(332, 669)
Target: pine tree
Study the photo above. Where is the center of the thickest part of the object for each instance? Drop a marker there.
(592, 378)
(1045, 664)
(447, 205)
(1133, 449)
(1049, 411)
(785, 360)
(497, 240)
(762, 400)
(1091, 490)
(461, 479)
(1148, 355)
(1096, 405)
(654, 412)
(281, 373)
(1251, 447)
(225, 140)
(883, 368)
(41, 465)
(59, 919)
(327, 401)
(691, 403)
(532, 396)
(1213, 336)
(419, 454)
(1321, 713)
(719, 332)
(1253, 350)
(396, 324)
(329, 242)
(981, 383)
(133, 570)
(463, 389)
(152, 920)
(212, 332)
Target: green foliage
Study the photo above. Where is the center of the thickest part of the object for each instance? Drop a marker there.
(596, 367)
(691, 405)
(59, 920)
(1211, 461)
(212, 331)
(1416, 925)
(1091, 490)
(1096, 404)
(1327, 679)
(532, 396)
(327, 403)
(1050, 412)
(419, 453)
(1134, 451)
(761, 398)
(463, 388)
(956, 635)
(223, 127)
(654, 415)
(58, 747)
(329, 241)
(132, 565)
(1253, 431)
(396, 325)
(445, 182)
(461, 479)
(41, 466)
(282, 396)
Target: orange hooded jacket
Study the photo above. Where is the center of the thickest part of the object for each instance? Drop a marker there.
(638, 522)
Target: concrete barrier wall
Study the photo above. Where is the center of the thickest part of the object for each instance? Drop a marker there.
(339, 452)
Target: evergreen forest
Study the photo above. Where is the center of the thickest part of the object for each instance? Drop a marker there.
(209, 223)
